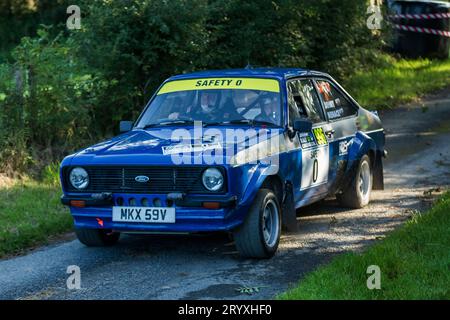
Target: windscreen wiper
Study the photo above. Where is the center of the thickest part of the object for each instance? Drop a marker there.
(228, 122)
(252, 122)
(168, 123)
(217, 123)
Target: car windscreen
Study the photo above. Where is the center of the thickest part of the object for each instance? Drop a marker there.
(215, 101)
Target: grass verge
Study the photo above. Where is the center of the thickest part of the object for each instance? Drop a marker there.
(414, 261)
(30, 213)
(398, 81)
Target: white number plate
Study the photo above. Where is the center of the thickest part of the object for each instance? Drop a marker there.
(144, 214)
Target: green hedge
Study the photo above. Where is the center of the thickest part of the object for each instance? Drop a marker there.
(58, 94)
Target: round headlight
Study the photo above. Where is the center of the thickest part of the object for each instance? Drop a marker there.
(79, 178)
(212, 179)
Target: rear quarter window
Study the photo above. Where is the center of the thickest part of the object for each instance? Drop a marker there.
(336, 104)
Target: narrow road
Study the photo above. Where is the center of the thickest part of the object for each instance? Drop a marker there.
(207, 267)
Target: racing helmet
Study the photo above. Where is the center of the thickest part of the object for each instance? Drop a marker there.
(208, 100)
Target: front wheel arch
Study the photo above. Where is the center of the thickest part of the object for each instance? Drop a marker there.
(285, 196)
(275, 184)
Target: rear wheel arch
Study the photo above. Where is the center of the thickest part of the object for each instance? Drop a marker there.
(360, 145)
(353, 195)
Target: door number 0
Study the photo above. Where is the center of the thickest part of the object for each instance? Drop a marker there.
(315, 170)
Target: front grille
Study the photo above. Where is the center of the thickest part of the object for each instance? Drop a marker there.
(162, 179)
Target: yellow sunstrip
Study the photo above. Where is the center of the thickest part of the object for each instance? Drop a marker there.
(320, 136)
(221, 83)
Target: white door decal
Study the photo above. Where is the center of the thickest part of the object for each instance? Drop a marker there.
(315, 166)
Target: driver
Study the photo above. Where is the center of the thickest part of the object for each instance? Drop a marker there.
(269, 111)
(205, 110)
(202, 111)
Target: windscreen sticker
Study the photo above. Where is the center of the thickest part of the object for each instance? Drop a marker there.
(320, 136)
(270, 85)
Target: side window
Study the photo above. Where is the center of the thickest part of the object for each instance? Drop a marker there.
(296, 110)
(311, 101)
(303, 96)
(336, 105)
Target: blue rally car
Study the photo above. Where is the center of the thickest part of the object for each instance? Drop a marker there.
(233, 151)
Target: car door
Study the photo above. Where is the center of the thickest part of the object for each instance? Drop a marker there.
(304, 102)
(341, 114)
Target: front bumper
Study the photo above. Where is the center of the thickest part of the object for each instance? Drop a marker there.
(179, 199)
(190, 214)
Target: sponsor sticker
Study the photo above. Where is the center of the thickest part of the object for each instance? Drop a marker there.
(307, 140)
(343, 148)
(320, 136)
(335, 114)
(329, 104)
(189, 148)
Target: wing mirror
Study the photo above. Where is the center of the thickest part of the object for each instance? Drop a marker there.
(126, 126)
(302, 125)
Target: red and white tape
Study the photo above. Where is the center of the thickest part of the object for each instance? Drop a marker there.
(423, 30)
(421, 16)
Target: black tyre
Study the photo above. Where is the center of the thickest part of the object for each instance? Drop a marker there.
(357, 194)
(259, 235)
(97, 237)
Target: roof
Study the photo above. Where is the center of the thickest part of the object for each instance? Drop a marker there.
(277, 73)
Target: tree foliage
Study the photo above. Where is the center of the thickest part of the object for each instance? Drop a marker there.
(47, 99)
(64, 88)
(19, 18)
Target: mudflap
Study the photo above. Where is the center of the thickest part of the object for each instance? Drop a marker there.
(289, 215)
(378, 176)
